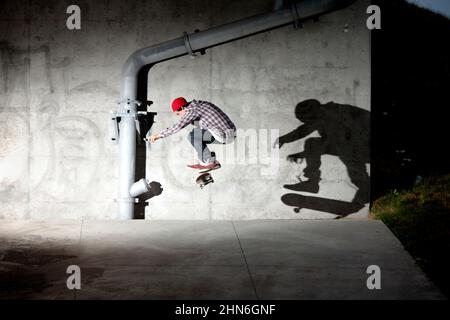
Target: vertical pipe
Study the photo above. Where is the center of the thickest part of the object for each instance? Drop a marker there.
(127, 151)
(127, 148)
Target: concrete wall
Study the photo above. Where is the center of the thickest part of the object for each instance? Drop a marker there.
(57, 87)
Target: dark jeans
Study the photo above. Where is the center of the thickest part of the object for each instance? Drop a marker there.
(200, 138)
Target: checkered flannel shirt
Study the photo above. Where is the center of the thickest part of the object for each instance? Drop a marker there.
(209, 117)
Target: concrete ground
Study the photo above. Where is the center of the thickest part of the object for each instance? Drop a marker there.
(262, 259)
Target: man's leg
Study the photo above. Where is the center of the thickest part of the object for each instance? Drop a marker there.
(199, 138)
(359, 177)
(314, 148)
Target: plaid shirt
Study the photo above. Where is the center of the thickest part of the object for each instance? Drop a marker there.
(209, 117)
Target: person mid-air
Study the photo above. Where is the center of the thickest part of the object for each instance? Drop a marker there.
(212, 125)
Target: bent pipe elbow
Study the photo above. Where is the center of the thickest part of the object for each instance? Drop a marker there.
(139, 188)
(228, 32)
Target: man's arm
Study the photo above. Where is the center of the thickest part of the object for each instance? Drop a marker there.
(188, 118)
(294, 135)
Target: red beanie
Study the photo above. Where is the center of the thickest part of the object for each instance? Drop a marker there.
(178, 103)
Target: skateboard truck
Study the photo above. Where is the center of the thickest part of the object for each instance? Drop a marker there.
(204, 179)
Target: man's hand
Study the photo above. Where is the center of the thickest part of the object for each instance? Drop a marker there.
(296, 157)
(291, 158)
(153, 137)
(277, 143)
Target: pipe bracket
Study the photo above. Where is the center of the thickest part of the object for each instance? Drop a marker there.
(128, 101)
(296, 15)
(126, 200)
(188, 46)
(125, 107)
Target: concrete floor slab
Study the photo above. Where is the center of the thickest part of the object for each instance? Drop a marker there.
(160, 243)
(34, 256)
(169, 282)
(46, 281)
(65, 232)
(276, 259)
(311, 283)
(316, 243)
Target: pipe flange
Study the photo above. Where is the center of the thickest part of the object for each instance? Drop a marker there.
(126, 200)
(128, 101)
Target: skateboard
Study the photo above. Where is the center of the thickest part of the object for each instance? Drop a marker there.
(205, 177)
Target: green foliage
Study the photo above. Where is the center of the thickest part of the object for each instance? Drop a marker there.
(420, 218)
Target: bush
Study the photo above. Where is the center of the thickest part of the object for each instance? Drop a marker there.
(420, 218)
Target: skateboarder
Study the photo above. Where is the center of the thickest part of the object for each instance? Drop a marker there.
(212, 125)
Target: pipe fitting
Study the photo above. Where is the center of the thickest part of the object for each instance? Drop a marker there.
(140, 187)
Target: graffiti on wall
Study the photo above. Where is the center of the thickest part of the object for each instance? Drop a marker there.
(51, 147)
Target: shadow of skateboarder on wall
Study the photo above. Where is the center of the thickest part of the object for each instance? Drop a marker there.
(344, 132)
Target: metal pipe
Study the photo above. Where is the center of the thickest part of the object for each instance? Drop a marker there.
(190, 44)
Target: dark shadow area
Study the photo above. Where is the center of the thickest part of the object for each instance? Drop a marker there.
(23, 273)
(344, 132)
(144, 123)
(410, 161)
(410, 83)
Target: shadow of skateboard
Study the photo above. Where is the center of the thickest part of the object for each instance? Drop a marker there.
(337, 207)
